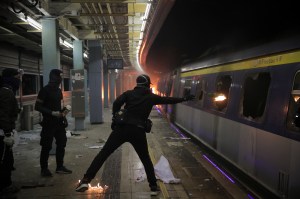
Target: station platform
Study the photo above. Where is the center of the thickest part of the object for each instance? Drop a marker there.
(122, 176)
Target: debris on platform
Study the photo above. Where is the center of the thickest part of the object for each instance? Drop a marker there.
(30, 185)
(177, 138)
(78, 137)
(174, 144)
(101, 141)
(163, 171)
(96, 146)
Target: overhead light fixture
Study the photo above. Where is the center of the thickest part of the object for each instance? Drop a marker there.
(34, 23)
(30, 21)
(65, 43)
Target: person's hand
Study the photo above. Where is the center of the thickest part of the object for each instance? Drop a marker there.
(189, 97)
(9, 141)
(56, 114)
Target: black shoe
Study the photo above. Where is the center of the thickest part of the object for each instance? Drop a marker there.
(83, 185)
(154, 190)
(63, 170)
(46, 173)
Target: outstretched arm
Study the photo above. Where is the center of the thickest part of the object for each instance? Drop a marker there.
(171, 100)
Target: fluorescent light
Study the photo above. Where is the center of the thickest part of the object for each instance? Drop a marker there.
(65, 43)
(34, 23)
(30, 21)
(147, 11)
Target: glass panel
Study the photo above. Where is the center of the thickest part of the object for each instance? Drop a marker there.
(29, 84)
(66, 84)
(223, 84)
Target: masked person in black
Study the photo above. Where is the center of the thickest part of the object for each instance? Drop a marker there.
(49, 104)
(9, 110)
(138, 105)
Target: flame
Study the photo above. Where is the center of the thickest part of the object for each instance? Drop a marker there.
(154, 90)
(97, 188)
(220, 97)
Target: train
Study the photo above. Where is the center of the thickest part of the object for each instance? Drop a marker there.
(244, 112)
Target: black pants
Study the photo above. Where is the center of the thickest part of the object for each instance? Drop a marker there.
(6, 164)
(137, 138)
(47, 135)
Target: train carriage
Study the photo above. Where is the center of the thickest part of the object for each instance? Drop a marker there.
(244, 112)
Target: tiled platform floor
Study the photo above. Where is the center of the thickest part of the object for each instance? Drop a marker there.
(123, 170)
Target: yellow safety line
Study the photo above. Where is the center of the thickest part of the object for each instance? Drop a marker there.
(161, 184)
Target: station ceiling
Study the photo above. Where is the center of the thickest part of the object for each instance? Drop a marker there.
(176, 31)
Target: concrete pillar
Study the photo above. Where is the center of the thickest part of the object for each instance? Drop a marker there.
(112, 86)
(78, 64)
(95, 81)
(105, 83)
(50, 47)
(118, 85)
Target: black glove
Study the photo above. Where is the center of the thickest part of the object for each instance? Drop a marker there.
(189, 97)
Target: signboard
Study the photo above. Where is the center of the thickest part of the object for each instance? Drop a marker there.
(115, 64)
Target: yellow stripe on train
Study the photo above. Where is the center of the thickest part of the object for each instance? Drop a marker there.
(279, 59)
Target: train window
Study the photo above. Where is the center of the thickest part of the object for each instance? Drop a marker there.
(221, 95)
(187, 87)
(200, 89)
(293, 117)
(256, 87)
(29, 84)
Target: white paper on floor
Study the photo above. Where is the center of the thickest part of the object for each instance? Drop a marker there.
(163, 171)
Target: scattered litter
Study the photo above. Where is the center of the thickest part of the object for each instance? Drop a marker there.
(30, 185)
(101, 140)
(75, 134)
(174, 144)
(78, 137)
(206, 179)
(68, 134)
(78, 156)
(176, 138)
(96, 147)
(163, 171)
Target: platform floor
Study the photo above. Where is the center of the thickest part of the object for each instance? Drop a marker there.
(123, 172)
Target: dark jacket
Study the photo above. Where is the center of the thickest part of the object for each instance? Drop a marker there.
(139, 102)
(48, 100)
(9, 108)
